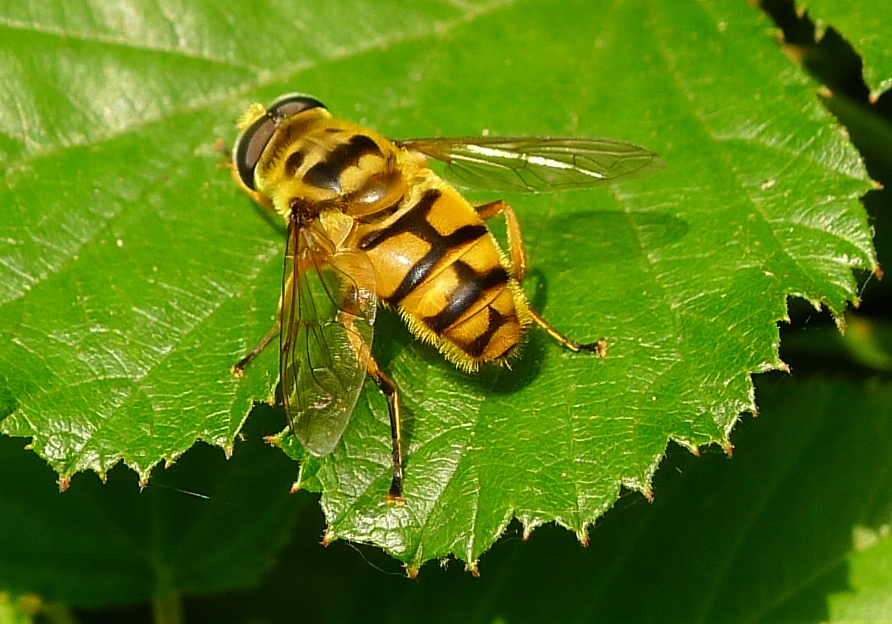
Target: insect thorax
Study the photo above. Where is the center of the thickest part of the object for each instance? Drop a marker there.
(330, 163)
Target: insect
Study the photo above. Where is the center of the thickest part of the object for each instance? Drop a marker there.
(369, 223)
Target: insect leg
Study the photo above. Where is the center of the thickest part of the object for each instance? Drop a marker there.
(391, 393)
(519, 265)
(599, 346)
(515, 240)
(263, 200)
(260, 198)
(238, 369)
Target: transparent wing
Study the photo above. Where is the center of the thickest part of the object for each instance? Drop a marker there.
(328, 311)
(535, 165)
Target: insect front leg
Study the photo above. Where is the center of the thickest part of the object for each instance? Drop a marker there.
(392, 394)
(519, 265)
(238, 369)
(261, 199)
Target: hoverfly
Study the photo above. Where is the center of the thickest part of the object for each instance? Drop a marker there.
(369, 222)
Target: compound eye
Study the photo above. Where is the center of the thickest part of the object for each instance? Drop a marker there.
(249, 148)
(254, 139)
(292, 104)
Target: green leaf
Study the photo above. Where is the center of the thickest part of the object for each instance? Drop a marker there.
(867, 598)
(133, 273)
(865, 24)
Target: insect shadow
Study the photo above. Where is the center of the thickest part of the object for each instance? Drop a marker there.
(603, 238)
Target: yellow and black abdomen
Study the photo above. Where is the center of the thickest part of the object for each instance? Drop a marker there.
(438, 264)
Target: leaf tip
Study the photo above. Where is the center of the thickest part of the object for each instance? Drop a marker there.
(328, 537)
(692, 448)
(64, 482)
(840, 321)
(826, 92)
(582, 536)
(273, 440)
(412, 570)
(473, 569)
(648, 494)
(728, 448)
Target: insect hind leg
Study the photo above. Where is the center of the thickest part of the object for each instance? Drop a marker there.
(391, 393)
(389, 388)
(519, 265)
(599, 347)
(515, 239)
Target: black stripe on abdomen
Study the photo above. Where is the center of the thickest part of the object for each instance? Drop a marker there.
(471, 287)
(439, 247)
(413, 221)
(494, 321)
